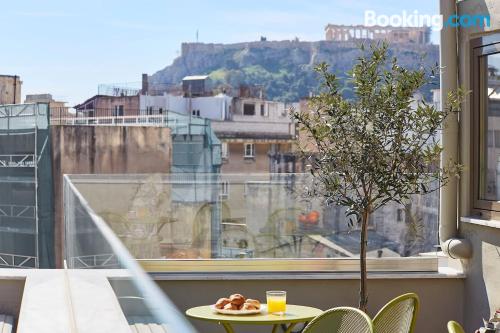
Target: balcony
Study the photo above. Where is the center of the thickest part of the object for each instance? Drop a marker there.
(197, 245)
(140, 250)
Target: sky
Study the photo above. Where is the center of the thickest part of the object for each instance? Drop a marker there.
(68, 47)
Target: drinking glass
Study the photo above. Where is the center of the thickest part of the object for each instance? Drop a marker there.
(276, 302)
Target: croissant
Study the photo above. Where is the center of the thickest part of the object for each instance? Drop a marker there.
(255, 303)
(222, 302)
(248, 306)
(237, 299)
(230, 306)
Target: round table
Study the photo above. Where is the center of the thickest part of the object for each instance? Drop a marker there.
(294, 314)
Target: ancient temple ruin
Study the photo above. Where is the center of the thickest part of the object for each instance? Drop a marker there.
(415, 35)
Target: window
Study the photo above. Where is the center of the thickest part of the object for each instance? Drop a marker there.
(249, 109)
(249, 150)
(497, 139)
(195, 113)
(400, 213)
(272, 108)
(263, 112)
(118, 111)
(485, 74)
(224, 150)
(224, 190)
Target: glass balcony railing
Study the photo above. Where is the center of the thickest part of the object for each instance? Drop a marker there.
(91, 244)
(246, 216)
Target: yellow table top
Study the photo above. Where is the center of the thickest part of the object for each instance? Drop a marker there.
(293, 314)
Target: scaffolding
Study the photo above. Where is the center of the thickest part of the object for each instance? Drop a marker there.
(26, 218)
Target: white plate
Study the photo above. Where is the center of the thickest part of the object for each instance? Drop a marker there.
(237, 312)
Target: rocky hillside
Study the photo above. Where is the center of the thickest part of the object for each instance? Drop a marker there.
(284, 68)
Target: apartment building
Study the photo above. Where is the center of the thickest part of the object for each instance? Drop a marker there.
(110, 106)
(10, 89)
(255, 133)
(57, 108)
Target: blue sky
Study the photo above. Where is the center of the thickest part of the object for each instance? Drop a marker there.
(68, 47)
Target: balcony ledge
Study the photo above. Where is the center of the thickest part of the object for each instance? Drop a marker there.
(442, 273)
(480, 221)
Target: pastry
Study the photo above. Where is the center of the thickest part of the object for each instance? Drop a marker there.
(230, 306)
(222, 302)
(237, 299)
(248, 306)
(255, 303)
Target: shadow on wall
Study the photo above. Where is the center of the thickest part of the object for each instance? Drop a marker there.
(482, 285)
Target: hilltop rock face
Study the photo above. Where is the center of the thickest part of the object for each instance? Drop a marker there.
(284, 68)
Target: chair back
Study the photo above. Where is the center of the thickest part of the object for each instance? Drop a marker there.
(454, 327)
(397, 316)
(340, 320)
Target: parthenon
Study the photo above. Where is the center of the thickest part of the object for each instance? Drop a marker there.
(415, 35)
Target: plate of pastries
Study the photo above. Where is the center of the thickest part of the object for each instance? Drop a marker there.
(237, 304)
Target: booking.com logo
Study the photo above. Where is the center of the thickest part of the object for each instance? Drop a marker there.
(436, 22)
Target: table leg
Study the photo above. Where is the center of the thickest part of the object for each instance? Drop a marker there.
(227, 327)
(288, 329)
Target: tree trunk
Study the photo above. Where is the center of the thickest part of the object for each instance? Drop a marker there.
(363, 296)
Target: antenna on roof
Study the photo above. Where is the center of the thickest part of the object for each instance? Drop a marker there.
(196, 35)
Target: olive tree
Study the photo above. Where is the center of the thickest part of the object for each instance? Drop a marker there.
(381, 146)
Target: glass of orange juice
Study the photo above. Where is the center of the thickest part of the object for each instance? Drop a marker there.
(276, 302)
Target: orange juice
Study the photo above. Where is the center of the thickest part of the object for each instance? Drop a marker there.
(276, 301)
(276, 304)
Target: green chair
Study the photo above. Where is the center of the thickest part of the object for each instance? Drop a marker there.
(454, 327)
(340, 320)
(397, 316)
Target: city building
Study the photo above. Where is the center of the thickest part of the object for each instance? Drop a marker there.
(10, 89)
(57, 108)
(45, 99)
(108, 106)
(255, 133)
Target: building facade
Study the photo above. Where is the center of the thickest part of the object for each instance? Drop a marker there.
(252, 130)
(108, 106)
(10, 89)
(256, 135)
(58, 109)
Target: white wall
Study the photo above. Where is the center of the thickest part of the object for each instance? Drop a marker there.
(482, 285)
(213, 107)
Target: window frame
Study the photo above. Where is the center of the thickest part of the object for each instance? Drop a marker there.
(224, 150)
(118, 111)
(480, 48)
(244, 111)
(224, 190)
(245, 155)
(264, 112)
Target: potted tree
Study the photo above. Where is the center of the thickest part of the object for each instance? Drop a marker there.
(378, 147)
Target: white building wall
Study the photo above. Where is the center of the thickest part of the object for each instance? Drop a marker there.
(213, 107)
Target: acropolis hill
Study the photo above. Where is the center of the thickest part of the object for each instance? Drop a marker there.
(284, 68)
